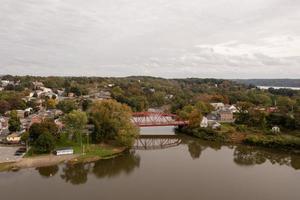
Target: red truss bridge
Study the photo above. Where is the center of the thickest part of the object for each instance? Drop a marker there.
(148, 119)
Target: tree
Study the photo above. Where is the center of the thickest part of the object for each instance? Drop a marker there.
(112, 121)
(285, 104)
(203, 107)
(37, 129)
(14, 123)
(67, 106)
(50, 103)
(75, 123)
(25, 138)
(193, 114)
(86, 104)
(195, 118)
(4, 106)
(45, 143)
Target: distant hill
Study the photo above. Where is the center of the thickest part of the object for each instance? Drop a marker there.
(271, 82)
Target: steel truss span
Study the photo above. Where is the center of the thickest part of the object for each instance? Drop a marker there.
(149, 119)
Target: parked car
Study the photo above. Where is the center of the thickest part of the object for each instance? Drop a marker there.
(21, 151)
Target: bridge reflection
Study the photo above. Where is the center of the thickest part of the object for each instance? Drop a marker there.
(153, 142)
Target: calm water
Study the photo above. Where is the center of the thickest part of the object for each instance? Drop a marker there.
(191, 170)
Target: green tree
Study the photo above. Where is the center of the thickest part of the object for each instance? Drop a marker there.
(67, 106)
(37, 129)
(86, 104)
(45, 143)
(14, 123)
(75, 123)
(203, 107)
(112, 121)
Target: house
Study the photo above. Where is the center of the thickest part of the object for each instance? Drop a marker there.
(37, 85)
(232, 108)
(71, 94)
(272, 109)
(215, 125)
(213, 116)
(5, 83)
(102, 95)
(226, 116)
(275, 129)
(14, 138)
(152, 90)
(204, 122)
(4, 126)
(218, 106)
(59, 124)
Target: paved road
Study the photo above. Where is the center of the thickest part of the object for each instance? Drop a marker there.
(7, 154)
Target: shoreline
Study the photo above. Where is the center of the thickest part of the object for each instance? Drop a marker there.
(51, 159)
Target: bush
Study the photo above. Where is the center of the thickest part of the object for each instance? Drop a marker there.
(241, 128)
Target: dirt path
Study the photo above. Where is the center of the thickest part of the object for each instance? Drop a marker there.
(42, 161)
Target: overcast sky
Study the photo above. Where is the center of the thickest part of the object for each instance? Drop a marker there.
(168, 38)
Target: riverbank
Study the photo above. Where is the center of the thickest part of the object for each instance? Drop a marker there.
(92, 153)
(232, 134)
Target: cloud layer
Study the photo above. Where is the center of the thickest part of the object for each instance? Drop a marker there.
(169, 38)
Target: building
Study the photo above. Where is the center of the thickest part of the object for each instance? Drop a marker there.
(226, 116)
(14, 138)
(37, 85)
(218, 106)
(64, 151)
(232, 108)
(4, 126)
(275, 129)
(204, 122)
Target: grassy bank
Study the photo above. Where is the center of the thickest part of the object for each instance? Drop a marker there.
(243, 135)
(90, 153)
(287, 142)
(96, 152)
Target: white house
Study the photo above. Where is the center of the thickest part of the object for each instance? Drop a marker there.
(275, 129)
(204, 122)
(218, 106)
(233, 109)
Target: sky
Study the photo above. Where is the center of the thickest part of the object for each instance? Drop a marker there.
(165, 38)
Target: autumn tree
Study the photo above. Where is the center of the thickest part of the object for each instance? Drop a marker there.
(112, 121)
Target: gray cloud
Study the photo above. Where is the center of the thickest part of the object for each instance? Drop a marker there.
(169, 38)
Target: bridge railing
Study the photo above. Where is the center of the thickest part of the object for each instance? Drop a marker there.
(157, 119)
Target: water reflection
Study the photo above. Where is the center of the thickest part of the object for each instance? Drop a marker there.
(247, 156)
(127, 163)
(196, 147)
(114, 167)
(78, 173)
(48, 171)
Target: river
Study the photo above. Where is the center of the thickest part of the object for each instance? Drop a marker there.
(192, 170)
